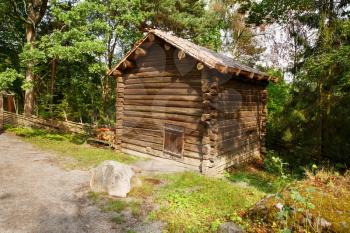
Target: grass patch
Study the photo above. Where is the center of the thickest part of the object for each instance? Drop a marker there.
(118, 219)
(114, 205)
(117, 206)
(261, 180)
(146, 189)
(194, 203)
(70, 146)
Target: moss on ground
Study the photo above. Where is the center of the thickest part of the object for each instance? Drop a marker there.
(319, 203)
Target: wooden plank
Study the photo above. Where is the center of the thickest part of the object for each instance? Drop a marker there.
(191, 137)
(150, 74)
(162, 109)
(142, 131)
(241, 121)
(143, 143)
(234, 130)
(174, 79)
(237, 114)
(165, 91)
(234, 125)
(153, 148)
(158, 123)
(238, 144)
(164, 97)
(163, 116)
(170, 85)
(165, 103)
(143, 137)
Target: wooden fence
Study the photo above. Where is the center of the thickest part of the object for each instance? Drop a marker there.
(9, 118)
(1, 111)
(102, 135)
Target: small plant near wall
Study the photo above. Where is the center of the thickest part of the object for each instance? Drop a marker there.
(274, 164)
(295, 210)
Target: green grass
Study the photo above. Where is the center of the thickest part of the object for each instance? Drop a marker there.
(70, 146)
(262, 181)
(114, 205)
(118, 219)
(188, 202)
(193, 203)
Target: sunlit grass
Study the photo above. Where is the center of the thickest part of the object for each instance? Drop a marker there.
(71, 150)
(194, 203)
(261, 180)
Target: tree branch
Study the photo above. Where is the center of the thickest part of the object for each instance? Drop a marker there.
(18, 13)
(42, 12)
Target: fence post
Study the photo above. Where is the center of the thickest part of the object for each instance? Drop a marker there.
(1, 111)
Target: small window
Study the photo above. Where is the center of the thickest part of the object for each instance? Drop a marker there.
(174, 140)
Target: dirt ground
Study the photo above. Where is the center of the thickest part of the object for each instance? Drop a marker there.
(38, 196)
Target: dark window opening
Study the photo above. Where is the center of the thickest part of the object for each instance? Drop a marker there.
(174, 140)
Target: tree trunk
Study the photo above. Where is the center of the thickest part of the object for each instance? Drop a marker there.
(52, 82)
(29, 93)
(1, 112)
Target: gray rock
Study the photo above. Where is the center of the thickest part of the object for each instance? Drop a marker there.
(112, 177)
(323, 223)
(279, 206)
(151, 227)
(230, 227)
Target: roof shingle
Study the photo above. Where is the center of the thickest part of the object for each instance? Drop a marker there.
(209, 57)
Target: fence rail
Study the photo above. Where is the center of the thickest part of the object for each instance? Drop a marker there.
(10, 118)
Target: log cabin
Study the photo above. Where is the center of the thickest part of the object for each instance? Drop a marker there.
(184, 102)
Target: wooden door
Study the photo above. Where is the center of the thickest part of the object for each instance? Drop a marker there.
(174, 140)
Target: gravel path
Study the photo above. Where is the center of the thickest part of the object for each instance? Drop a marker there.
(37, 196)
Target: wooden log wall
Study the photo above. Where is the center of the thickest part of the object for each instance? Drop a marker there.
(120, 87)
(161, 89)
(209, 118)
(241, 123)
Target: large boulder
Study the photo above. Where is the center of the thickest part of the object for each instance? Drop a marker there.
(112, 177)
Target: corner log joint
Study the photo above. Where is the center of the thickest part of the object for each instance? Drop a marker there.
(119, 113)
(210, 91)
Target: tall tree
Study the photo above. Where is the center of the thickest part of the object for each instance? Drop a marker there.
(71, 67)
(190, 19)
(238, 37)
(313, 126)
(30, 13)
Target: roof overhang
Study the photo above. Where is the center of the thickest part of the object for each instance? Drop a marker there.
(238, 70)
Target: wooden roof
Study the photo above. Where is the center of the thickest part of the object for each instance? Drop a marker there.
(210, 58)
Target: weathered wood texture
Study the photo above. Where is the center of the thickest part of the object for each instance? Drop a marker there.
(237, 134)
(222, 115)
(160, 90)
(10, 118)
(120, 92)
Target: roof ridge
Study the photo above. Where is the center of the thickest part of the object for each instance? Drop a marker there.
(209, 57)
